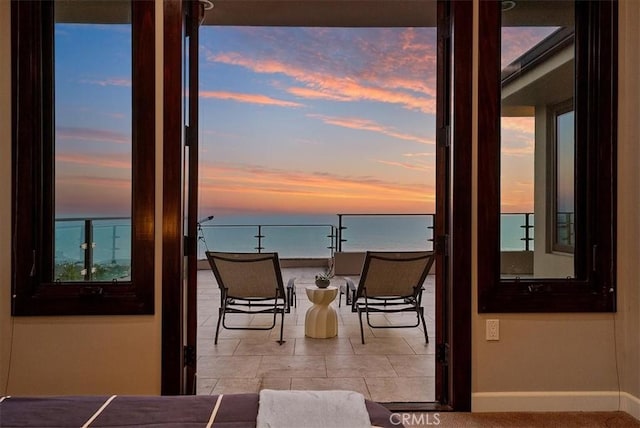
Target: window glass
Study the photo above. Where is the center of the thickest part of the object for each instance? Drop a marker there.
(537, 61)
(92, 141)
(565, 185)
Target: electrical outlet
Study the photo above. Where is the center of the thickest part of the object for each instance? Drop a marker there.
(493, 330)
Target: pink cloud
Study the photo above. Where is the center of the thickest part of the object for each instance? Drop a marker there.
(521, 124)
(423, 154)
(369, 125)
(114, 81)
(518, 40)
(231, 179)
(248, 98)
(379, 71)
(518, 136)
(98, 160)
(312, 94)
(406, 165)
(90, 182)
(89, 134)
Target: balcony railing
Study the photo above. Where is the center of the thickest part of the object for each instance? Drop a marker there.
(288, 240)
(92, 249)
(565, 224)
(99, 248)
(361, 232)
(516, 231)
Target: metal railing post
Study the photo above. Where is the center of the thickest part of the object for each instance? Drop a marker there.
(432, 227)
(527, 234)
(259, 236)
(333, 237)
(114, 236)
(340, 228)
(88, 250)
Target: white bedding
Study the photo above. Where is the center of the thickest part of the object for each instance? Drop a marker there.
(311, 409)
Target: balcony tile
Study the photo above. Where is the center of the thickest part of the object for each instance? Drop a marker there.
(381, 346)
(225, 347)
(386, 390)
(413, 365)
(262, 347)
(325, 384)
(294, 366)
(359, 366)
(333, 346)
(234, 366)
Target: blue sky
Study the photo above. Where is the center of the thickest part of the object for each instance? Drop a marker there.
(295, 120)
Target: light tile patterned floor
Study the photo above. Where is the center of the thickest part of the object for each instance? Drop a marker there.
(394, 365)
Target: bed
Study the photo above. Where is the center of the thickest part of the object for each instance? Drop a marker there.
(221, 411)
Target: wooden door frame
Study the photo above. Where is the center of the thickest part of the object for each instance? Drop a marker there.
(172, 363)
(458, 306)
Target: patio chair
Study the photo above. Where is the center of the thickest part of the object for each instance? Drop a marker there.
(391, 282)
(250, 283)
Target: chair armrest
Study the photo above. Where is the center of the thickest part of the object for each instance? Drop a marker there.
(291, 291)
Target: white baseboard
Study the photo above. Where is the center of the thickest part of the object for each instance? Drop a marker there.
(630, 404)
(548, 401)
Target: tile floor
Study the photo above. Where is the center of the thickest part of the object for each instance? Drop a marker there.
(395, 365)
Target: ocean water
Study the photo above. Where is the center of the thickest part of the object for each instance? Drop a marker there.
(316, 236)
(292, 236)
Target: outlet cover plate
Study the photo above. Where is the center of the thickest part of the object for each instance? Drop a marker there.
(493, 329)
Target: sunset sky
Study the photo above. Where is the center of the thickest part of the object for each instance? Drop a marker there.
(292, 120)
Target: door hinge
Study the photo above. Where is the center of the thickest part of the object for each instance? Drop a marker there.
(442, 353)
(189, 355)
(445, 28)
(188, 245)
(442, 245)
(444, 136)
(190, 21)
(187, 135)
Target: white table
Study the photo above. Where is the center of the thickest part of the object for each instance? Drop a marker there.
(321, 320)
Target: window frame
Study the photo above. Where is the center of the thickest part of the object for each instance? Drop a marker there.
(33, 288)
(593, 288)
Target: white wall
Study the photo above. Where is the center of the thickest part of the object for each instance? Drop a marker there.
(71, 355)
(627, 320)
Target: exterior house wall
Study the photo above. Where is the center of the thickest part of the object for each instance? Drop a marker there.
(546, 264)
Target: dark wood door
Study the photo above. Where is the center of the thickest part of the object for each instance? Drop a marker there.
(193, 13)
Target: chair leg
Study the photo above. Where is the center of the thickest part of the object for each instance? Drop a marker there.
(220, 315)
(361, 329)
(281, 328)
(424, 324)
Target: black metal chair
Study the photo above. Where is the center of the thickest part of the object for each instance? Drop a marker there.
(250, 283)
(391, 282)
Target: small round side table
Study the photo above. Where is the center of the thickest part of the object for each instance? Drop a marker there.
(321, 320)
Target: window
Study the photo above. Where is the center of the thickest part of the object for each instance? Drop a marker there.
(549, 108)
(83, 156)
(563, 188)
